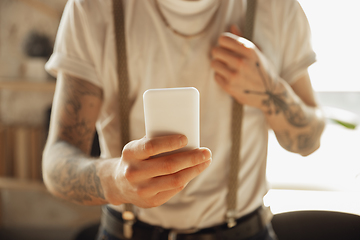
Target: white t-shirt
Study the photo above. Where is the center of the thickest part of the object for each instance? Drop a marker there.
(158, 58)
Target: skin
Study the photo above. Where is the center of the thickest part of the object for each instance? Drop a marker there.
(291, 111)
(137, 177)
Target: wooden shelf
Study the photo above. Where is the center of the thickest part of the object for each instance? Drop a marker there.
(21, 184)
(27, 86)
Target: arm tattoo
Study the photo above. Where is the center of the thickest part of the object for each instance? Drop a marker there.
(285, 140)
(74, 176)
(293, 112)
(276, 102)
(303, 142)
(75, 128)
(306, 140)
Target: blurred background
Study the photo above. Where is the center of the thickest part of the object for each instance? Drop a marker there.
(27, 211)
(328, 180)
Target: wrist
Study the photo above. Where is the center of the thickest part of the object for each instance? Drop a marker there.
(109, 178)
(275, 98)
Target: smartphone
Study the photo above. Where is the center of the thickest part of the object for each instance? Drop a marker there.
(171, 111)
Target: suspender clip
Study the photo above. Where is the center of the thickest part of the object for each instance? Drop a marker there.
(230, 218)
(129, 220)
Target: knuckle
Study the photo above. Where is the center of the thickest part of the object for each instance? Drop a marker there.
(239, 63)
(217, 77)
(173, 143)
(127, 151)
(223, 40)
(130, 174)
(142, 192)
(233, 76)
(196, 158)
(214, 51)
(149, 147)
(199, 169)
(177, 181)
(169, 166)
(216, 63)
(155, 202)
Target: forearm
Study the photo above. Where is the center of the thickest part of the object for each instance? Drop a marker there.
(134, 178)
(297, 126)
(68, 171)
(72, 175)
(245, 74)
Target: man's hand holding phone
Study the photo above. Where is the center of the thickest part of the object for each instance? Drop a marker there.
(158, 166)
(149, 182)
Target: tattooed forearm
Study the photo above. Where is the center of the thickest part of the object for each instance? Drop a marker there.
(67, 169)
(74, 176)
(307, 140)
(297, 125)
(80, 186)
(279, 102)
(285, 140)
(302, 142)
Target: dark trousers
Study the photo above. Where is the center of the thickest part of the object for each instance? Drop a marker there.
(266, 233)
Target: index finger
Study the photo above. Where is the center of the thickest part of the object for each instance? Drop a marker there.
(148, 147)
(236, 44)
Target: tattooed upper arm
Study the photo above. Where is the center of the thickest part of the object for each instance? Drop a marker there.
(75, 110)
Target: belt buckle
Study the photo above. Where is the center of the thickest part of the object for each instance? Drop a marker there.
(174, 232)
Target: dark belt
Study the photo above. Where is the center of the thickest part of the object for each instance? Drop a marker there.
(246, 227)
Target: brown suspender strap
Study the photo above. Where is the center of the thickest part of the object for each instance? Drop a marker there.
(124, 110)
(237, 116)
(124, 103)
(123, 82)
(250, 19)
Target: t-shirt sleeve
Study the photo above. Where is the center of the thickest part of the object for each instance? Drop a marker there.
(74, 51)
(297, 51)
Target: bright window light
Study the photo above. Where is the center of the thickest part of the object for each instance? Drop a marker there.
(336, 40)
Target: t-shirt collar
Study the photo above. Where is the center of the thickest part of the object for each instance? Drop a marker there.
(188, 17)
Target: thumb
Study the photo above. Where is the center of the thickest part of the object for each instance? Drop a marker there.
(235, 30)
